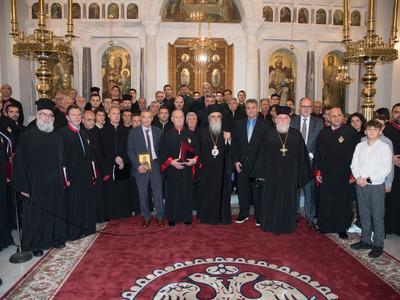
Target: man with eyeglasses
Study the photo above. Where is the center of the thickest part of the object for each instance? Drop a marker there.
(6, 92)
(309, 126)
(39, 176)
(163, 122)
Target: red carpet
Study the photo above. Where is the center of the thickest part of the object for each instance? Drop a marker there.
(206, 262)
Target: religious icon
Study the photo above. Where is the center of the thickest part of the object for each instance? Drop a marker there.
(332, 92)
(215, 77)
(303, 16)
(215, 58)
(132, 11)
(338, 17)
(185, 57)
(63, 75)
(94, 11)
(145, 160)
(113, 11)
(56, 12)
(268, 14)
(355, 18)
(34, 10)
(185, 76)
(286, 15)
(320, 16)
(76, 11)
(116, 70)
(281, 69)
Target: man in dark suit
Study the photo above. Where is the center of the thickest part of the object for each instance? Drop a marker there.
(309, 126)
(232, 115)
(145, 139)
(264, 111)
(188, 101)
(246, 139)
(199, 103)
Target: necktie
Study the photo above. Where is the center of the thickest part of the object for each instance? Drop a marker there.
(148, 141)
(304, 129)
(250, 131)
(83, 147)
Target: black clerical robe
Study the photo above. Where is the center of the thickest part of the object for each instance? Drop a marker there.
(332, 161)
(215, 183)
(5, 191)
(80, 194)
(179, 183)
(284, 173)
(94, 143)
(39, 162)
(118, 202)
(392, 203)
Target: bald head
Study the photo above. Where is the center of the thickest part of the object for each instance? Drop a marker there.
(88, 119)
(336, 116)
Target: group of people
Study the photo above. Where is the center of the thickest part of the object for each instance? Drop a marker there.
(80, 163)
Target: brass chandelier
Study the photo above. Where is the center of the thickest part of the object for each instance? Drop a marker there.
(42, 45)
(369, 51)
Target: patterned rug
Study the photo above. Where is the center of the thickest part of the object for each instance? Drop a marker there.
(59, 273)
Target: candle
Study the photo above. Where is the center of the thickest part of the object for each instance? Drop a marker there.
(13, 11)
(394, 26)
(69, 12)
(371, 15)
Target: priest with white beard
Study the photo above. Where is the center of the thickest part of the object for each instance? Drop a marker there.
(215, 183)
(40, 177)
(282, 167)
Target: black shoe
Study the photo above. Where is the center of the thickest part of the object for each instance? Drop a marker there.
(320, 231)
(59, 246)
(360, 246)
(310, 224)
(37, 253)
(171, 224)
(376, 252)
(187, 223)
(343, 235)
(241, 219)
(257, 222)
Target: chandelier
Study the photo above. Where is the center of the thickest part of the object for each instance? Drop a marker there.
(369, 51)
(42, 45)
(343, 76)
(202, 46)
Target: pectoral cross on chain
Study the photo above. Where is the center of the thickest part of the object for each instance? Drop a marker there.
(283, 150)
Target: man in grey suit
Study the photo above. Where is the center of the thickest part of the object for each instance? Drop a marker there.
(309, 126)
(145, 139)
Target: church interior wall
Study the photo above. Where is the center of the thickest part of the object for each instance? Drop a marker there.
(271, 36)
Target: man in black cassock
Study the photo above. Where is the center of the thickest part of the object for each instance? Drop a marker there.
(116, 168)
(81, 173)
(215, 184)
(283, 163)
(332, 160)
(88, 122)
(392, 203)
(39, 162)
(5, 192)
(177, 170)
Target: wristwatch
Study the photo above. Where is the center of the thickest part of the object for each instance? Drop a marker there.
(369, 180)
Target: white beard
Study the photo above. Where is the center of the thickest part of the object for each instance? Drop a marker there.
(215, 127)
(45, 127)
(282, 127)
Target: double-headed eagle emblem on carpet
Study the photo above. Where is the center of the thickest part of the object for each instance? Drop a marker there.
(227, 279)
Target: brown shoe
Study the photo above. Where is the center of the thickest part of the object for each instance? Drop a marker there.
(146, 223)
(310, 224)
(160, 223)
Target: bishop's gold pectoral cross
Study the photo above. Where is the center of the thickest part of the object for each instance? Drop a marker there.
(283, 150)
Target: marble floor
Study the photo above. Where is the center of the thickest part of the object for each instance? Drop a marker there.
(11, 273)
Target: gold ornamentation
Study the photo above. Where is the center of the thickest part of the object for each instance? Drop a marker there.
(9, 129)
(283, 149)
(214, 151)
(189, 141)
(341, 139)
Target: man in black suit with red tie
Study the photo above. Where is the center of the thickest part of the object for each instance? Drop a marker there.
(246, 139)
(309, 126)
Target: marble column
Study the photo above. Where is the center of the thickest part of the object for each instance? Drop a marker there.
(86, 72)
(310, 76)
(151, 26)
(252, 26)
